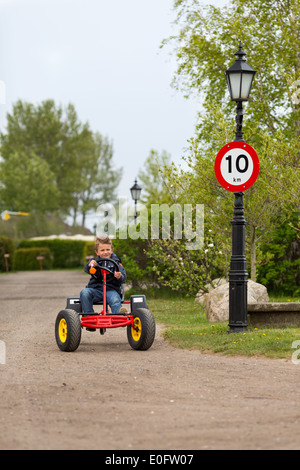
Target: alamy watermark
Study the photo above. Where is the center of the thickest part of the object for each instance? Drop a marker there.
(161, 221)
(2, 92)
(2, 353)
(296, 354)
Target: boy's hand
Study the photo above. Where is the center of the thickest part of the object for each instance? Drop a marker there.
(118, 275)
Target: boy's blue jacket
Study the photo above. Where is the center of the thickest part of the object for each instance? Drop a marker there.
(111, 282)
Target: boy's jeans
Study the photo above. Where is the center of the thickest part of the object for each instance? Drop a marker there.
(89, 295)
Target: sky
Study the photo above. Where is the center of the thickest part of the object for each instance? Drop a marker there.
(104, 57)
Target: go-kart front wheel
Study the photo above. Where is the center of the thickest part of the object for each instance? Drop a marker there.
(141, 334)
(68, 330)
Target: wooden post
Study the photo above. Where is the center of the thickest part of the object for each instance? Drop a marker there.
(40, 259)
(6, 256)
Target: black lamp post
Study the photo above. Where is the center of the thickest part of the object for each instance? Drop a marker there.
(135, 194)
(239, 78)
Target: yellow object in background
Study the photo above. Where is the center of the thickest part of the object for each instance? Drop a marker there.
(6, 215)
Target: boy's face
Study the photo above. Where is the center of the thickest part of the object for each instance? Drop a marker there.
(104, 250)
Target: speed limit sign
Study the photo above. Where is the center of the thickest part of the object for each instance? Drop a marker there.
(237, 166)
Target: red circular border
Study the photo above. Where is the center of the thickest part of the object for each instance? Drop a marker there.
(253, 177)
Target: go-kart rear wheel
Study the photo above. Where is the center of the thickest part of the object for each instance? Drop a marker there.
(68, 330)
(141, 334)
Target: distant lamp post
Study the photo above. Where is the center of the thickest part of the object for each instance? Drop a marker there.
(239, 79)
(136, 195)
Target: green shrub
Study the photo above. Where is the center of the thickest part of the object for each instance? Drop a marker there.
(66, 253)
(6, 247)
(88, 250)
(281, 270)
(25, 259)
(138, 267)
(132, 253)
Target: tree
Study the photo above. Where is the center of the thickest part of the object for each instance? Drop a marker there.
(208, 38)
(98, 178)
(69, 150)
(39, 131)
(270, 34)
(152, 179)
(280, 267)
(27, 184)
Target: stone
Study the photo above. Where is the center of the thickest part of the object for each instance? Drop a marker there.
(216, 302)
(208, 288)
(274, 314)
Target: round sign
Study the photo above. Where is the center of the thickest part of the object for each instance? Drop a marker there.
(237, 166)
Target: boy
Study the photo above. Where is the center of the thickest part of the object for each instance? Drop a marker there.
(93, 292)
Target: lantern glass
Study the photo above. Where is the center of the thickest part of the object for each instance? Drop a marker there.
(247, 79)
(235, 85)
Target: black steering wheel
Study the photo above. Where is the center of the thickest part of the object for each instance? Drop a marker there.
(105, 268)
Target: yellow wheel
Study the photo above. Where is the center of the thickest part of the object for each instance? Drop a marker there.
(141, 334)
(68, 330)
(136, 329)
(62, 330)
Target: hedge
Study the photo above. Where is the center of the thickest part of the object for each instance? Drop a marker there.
(72, 254)
(66, 253)
(25, 259)
(6, 247)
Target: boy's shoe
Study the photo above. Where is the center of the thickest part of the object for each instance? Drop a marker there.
(123, 310)
(88, 315)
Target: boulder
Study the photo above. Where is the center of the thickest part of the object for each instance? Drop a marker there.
(208, 288)
(216, 302)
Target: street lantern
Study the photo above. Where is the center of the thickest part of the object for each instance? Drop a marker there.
(240, 77)
(135, 191)
(135, 194)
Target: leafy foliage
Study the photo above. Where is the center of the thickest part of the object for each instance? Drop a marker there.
(53, 162)
(280, 267)
(65, 253)
(6, 247)
(204, 47)
(25, 259)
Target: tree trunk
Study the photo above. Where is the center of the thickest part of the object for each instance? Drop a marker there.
(252, 253)
(74, 216)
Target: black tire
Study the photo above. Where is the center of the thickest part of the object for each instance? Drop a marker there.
(142, 334)
(68, 330)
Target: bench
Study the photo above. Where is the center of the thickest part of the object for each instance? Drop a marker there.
(274, 314)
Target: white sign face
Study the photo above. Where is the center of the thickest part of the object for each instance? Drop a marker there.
(236, 166)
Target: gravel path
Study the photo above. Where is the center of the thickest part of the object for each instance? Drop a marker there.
(108, 396)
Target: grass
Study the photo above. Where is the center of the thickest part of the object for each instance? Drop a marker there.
(186, 327)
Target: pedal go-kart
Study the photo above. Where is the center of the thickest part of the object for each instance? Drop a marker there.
(139, 321)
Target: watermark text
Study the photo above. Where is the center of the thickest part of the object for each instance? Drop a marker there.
(296, 354)
(2, 353)
(2, 92)
(161, 221)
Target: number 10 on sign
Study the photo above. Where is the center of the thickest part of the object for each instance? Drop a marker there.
(237, 166)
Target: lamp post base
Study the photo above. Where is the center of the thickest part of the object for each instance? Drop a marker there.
(237, 329)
